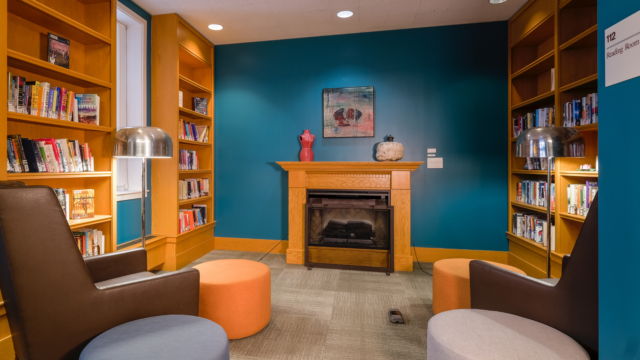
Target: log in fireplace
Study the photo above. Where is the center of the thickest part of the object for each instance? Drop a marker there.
(353, 219)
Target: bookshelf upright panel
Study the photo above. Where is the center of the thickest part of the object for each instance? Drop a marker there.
(90, 25)
(546, 35)
(182, 60)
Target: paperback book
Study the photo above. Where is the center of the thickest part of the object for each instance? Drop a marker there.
(200, 105)
(83, 204)
(58, 50)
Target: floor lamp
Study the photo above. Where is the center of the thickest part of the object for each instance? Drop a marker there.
(550, 143)
(143, 142)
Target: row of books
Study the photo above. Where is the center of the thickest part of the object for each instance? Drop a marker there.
(193, 132)
(535, 193)
(193, 188)
(76, 204)
(189, 219)
(576, 150)
(188, 160)
(543, 117)
(539, 164)
(47, 155)
(534, 227)
(42, 99)
(582, 111)
(90, 242)
(580, 197)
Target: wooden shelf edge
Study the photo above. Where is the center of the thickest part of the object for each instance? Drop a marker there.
(532, 172)
(198, 143)
(539, 209)
(579, 83)
(193, 201)
(581, 36)
(572, 217)
(96, 219)
(47, 11)
(193, 85)
(571, 4)
(519, 73)
(590, 127)
(57, 69)
(542, 97)
(193, 113)
(48, 175)
(197, 230)
(537, 247)
(13, 116)
(586, 174)
(194, 171)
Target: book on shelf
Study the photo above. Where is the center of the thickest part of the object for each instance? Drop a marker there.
(90, 242)
(41, 99)
(533, 227)
(543, 117)
(63, 198)
(88, 109)
(180, 98)
(193, 132)
(188, 160)
(539, 164)
(193, 188)
(580, 197)
(83, 204)
(190, 219)
(58, 50)
(200, 105)
(553, 79)
(47, 155)
(582, 111)
(535, 193)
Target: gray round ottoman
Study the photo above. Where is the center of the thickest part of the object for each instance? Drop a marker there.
(480, 334)
(161, 337)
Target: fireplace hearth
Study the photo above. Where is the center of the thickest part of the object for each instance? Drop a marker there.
(349, 219)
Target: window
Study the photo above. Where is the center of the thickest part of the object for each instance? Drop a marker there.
(131, 93)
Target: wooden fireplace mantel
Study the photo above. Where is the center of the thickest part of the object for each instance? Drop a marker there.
(367, 175)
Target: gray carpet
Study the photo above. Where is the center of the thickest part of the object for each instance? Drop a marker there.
(337, 314)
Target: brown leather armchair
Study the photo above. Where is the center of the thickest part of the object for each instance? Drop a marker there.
(57, 301)
(569, 305)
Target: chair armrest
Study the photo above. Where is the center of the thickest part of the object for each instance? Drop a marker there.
(116, 264)
(175, 293)
(497, 289)
(565, 262)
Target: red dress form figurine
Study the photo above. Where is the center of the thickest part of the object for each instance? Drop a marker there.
(307, 142)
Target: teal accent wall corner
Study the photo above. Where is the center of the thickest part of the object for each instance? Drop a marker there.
(619, 245)
(129, 211)
(439, 87)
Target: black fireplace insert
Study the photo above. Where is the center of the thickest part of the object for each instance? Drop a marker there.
(349, 219)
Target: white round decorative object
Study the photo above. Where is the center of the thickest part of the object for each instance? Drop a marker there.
(389, 150)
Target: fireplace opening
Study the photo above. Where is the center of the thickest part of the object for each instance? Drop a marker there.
(349, 219)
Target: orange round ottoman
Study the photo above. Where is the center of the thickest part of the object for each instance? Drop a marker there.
(451, 287)
(236, 294)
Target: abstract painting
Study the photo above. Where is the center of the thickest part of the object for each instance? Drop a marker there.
(348, 112)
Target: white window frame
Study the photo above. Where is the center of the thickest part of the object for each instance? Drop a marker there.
(131, 95)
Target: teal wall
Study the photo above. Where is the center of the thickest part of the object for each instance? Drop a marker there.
(619, 238)
(129, 212)
(439, 87)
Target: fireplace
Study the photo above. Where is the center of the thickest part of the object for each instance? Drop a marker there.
(349, 219)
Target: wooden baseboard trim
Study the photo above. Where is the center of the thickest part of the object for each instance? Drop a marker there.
(424, 254)
(254, 245)
(435, 254)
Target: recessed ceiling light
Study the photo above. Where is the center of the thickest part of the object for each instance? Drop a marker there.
(497, 1)
(345, 14)
(215, 27)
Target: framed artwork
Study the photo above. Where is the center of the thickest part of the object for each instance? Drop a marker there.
(348, 112)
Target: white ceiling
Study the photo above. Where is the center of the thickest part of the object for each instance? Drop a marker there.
(260, 20)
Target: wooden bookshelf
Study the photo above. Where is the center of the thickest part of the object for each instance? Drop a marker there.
(186, 65)
(545, 35)
(91, 28)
